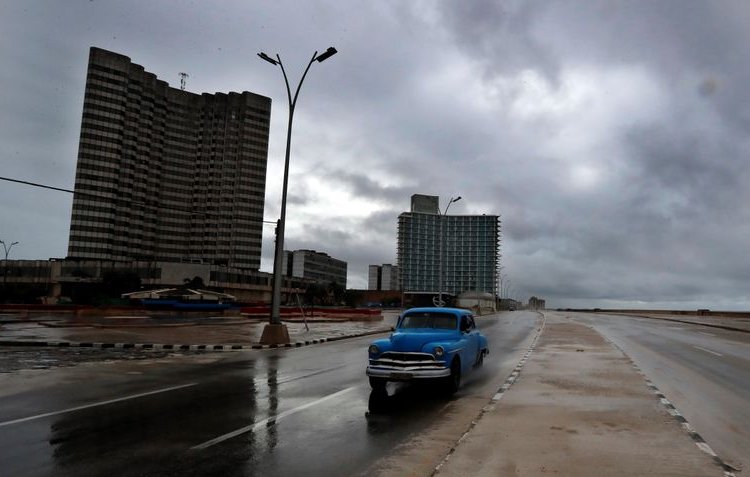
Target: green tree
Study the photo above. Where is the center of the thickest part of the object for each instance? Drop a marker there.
(117, 282)
(315, 294)
(194, 283)
(352, 298)
(336, 292)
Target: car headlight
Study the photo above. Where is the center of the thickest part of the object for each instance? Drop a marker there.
(373, 349)
(439, 351)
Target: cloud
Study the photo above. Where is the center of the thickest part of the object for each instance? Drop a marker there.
(612, 138)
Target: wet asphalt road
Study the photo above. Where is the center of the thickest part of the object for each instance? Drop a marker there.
(703, 371)
(18, 358)
(279, 412)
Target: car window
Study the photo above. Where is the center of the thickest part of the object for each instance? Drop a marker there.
(444, 321)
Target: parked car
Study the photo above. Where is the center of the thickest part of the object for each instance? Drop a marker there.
(428, 344)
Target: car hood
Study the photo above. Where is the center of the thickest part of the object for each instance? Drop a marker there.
(414, 340)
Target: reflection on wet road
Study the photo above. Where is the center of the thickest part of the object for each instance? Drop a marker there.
(277, 412)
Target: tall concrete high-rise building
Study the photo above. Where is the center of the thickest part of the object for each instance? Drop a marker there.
(471, 251)
(165, 174)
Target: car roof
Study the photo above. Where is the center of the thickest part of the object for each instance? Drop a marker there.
(427, 309)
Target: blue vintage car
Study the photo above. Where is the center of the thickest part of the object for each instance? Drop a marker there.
(428, 343)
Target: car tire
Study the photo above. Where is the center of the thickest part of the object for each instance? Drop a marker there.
(378, 402)
(480, 359)
(453, 382)
(378, 383)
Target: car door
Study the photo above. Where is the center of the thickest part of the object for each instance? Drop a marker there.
(470, 335)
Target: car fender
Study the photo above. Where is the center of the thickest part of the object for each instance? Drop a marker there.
(483, 346)
(448, 346)
(383, 344)
(452, 349)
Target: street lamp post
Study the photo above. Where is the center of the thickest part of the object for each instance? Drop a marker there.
(275, 332)
(5, 265)
(440, 261)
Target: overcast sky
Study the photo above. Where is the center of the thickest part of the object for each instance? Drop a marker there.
(611, 137)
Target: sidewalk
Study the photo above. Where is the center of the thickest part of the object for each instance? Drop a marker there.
(210, 333)
(578, 408)
(723, 322)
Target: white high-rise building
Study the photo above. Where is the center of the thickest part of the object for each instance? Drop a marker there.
(471, 251)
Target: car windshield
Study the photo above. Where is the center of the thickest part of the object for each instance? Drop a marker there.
(443, 321)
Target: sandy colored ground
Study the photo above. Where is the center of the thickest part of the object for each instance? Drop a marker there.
(238, 330)
(579, 408)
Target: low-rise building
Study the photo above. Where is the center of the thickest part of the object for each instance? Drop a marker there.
(316, 266)
(50, 280)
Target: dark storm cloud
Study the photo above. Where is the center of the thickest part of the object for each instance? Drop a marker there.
(664, 211)
(612, 137)
(363, 186)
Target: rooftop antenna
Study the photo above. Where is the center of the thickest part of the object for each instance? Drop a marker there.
(183, 77)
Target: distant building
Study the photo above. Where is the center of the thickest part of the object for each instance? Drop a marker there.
(536, 303)
(55, 279)
(373, 277)
(167, 175)
(383, 277)
(509, 304)
(478, 301)
(313, 265)
(471, 250)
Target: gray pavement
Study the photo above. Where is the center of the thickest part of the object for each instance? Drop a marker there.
(579, 407)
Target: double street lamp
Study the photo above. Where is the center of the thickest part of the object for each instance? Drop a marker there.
(442, 240)
(7, 248)
(275, 332)
(5, 268)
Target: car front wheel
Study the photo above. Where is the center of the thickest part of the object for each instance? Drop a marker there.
(377, 383)
(453, 382)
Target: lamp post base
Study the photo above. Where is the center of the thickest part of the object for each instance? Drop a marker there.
(275, 334)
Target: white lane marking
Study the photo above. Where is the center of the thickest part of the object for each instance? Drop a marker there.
(274, 419)
(708, 351)
(303, 376)
(102, 403)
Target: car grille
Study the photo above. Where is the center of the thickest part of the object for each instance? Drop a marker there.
(407, 360)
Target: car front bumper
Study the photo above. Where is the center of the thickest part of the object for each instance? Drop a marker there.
(406, 373)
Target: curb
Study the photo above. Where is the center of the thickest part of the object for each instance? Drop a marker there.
(180, 347)
(710, 325)
(510, 380)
